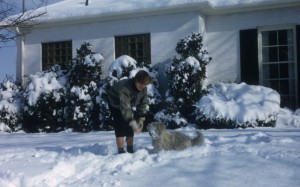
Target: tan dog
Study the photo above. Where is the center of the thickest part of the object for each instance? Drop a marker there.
(167, 140)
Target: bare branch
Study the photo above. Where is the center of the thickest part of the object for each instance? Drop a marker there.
(13, 17)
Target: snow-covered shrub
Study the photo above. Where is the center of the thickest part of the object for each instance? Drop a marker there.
(288, 118)
(172, 119)
(185, 76)
(126, 67)
(105, 117)
(44, 101)
(237, 105)
(10, 105)
(84, 74)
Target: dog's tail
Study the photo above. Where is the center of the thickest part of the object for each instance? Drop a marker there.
(199, 140)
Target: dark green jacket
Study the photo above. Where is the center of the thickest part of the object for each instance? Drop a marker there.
(125, 97)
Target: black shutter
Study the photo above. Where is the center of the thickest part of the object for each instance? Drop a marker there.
(298, 59)
(249, 56)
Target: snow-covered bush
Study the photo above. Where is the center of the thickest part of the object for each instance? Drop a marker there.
(237, 105)
(126, 67)
(44, 101)
(172, 119)
(185, 76)
(84, 74)
(288, 118)
(10, 105)
(58, 99)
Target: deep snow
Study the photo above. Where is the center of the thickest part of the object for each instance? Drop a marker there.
(239, 157)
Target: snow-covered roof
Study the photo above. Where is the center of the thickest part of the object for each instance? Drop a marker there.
(108, 9)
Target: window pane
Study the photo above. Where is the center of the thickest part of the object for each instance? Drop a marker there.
(132, 38)
(50, 52)
(292, 87)
(275, 85)
(291, 53)
(137, 47)
(292, 71)
(274, 72)
(290, 37)
(287, 101)
(270, 54)
(284, 87)
(140, 38)
(133, 54)
(266, 83)
(283, 53)
(265, 38)
(284, 70)
(266, 72)
(273, 54)
(140, 59)
(63, 59)
(118, 39)
(282, 37)
(132, 46)
(140, 45)
(265, 55)
(56, 53)
(140, 53)
(64, 51)
(272, 38)
(57, 60)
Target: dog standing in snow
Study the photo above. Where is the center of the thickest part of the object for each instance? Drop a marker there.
(167, 140)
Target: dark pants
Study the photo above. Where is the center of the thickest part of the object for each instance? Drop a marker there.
(121, 126)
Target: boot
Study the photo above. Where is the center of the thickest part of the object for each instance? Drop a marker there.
(130, 149)
(121, 150)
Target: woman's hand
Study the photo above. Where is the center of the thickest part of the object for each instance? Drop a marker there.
(135, 126)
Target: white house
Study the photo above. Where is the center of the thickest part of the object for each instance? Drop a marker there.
(254, 41)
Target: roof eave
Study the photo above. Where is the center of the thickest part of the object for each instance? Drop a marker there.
(204, 7)
(249, 7)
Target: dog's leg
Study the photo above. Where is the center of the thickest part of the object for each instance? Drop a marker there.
(199, 140)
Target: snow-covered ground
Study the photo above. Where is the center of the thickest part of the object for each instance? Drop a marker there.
(239, 157)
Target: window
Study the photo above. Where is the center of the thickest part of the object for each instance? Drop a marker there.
(56, 53)
(135, 46)
(277, 62)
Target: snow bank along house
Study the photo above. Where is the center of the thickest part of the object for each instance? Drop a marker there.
(253, 41)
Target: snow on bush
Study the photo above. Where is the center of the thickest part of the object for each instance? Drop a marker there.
(173, 120)
(121, 67)
(237, 105)
(83, 109)
(44, 101)
(10, 106)
(86, 67)
(44, 82)
(185, 77)
(288, 118)
(58, 99)
(186, 86)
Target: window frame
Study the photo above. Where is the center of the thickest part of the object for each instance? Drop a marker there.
(51, 49)
(260, 54)
(124, 45)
